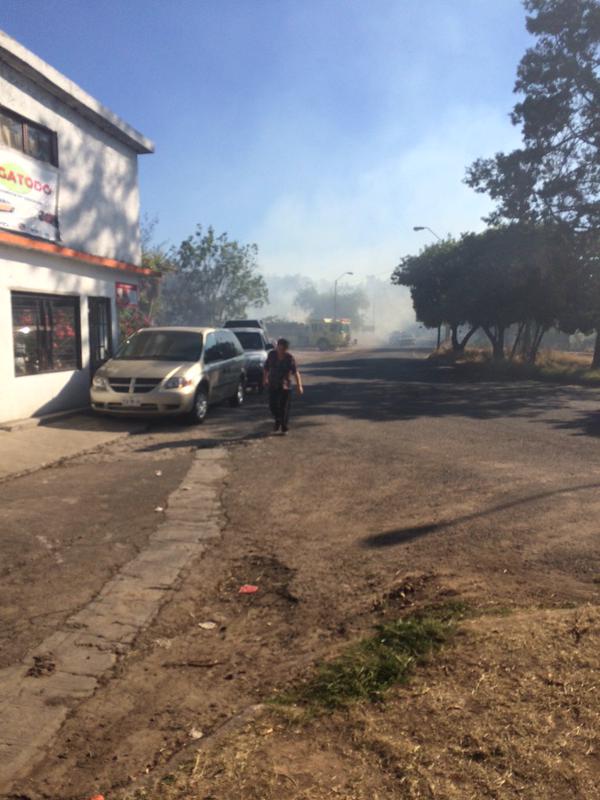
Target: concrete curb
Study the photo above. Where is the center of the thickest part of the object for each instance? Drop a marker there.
(37, 695)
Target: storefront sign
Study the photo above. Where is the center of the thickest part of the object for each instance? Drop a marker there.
(28, 195)
(127, 294)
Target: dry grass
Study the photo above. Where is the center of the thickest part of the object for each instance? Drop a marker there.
(510, 712)
(555, 366)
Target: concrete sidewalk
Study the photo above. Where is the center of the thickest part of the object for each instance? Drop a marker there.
(32, 447)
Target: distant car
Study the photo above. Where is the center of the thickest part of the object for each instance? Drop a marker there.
(256, 348)
(171, 371)
(400, 339)
(245, 323)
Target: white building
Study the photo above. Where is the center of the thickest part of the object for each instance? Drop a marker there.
(69, 233)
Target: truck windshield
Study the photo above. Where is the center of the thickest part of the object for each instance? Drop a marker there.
(162, 346)
(250, 340)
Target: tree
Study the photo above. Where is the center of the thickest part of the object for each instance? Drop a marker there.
(438, 287)
(515, 274)
(556, 175)
(155, 257)
(350, 303)
(215, 278)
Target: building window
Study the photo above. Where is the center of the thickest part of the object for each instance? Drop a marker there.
(34, 140)
(46, 333)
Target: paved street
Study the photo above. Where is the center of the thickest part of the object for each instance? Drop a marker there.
(394, 470)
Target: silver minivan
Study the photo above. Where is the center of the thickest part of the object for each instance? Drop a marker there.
(171, 371)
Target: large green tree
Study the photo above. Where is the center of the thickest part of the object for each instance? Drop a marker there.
(438, 285)
(509, 275)
(157, 257)
(555, 176)
(214, 278)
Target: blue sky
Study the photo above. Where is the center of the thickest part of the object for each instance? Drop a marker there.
(323, 130)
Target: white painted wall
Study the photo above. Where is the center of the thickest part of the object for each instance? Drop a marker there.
(98, 191)
(30, 395)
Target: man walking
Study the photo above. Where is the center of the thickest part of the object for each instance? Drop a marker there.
(279, 368)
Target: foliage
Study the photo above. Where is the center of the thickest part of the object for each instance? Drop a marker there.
(350, 303)
(157, 258)
(435, 279)
(214, 278)
(515, 274)
(556, 174)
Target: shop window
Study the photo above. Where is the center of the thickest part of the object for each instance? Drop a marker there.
(34, 140)
(46, 334)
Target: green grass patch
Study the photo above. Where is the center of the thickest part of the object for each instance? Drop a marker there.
(367, 669)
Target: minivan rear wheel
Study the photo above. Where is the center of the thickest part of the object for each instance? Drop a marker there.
(200, 408)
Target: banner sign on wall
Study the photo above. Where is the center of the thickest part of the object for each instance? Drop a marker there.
(127, 294)
(28, 195)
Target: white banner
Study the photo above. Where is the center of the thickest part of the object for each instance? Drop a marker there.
(28, 195)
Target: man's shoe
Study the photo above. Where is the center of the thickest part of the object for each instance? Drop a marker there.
(276, 426)
(284, 429)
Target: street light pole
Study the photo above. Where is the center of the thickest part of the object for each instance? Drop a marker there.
(335, 283)
(427, 228)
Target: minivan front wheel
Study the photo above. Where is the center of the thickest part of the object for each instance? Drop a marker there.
(239, 396)
(199, 410)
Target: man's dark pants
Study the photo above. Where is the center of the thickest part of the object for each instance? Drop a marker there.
(279, 403)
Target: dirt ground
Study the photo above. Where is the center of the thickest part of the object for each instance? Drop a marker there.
(398, 488)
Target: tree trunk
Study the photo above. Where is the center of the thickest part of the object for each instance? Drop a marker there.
(498, 345)
(497, 340)
(515, 346)
(456, 348)
(527, 342)
(596, 359)
(535, 344)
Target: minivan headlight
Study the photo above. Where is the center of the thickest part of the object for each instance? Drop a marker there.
(99, 382)
(178, 383)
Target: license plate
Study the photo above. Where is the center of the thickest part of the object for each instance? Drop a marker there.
(132, 401)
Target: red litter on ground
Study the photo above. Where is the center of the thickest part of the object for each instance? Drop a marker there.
(97, 797)
(248, 588)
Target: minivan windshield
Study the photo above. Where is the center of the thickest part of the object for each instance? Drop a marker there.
(162, 346)
(250, 340)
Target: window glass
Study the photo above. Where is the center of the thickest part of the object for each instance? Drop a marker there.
(250, 340)
(35, 140)
(45, 333)
(11, 131)
(39, 143)
(225, 345)
(210, 353)
(157, 345)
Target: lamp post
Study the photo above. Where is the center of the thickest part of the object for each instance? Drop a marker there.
(426, 228)
(335, 283)
(439, 238)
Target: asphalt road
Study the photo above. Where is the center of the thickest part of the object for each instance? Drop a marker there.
(393, 467)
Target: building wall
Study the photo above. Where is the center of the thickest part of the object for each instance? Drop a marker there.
(30, 395)
(98, 188)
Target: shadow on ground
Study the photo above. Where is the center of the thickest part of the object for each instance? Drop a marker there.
(386, 387)
(409, 534)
